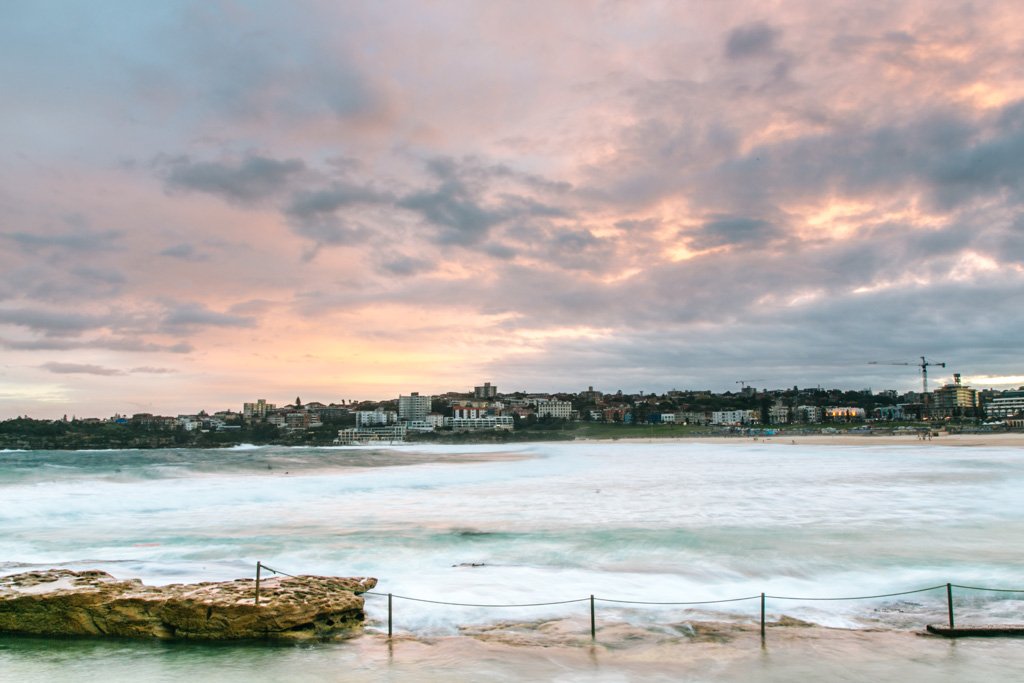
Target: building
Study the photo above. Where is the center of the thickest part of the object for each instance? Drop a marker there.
(468, 412)
(375, 418)
(733, 417)
(334, 411)
(302, 419)
(692, 417)
(394, 433)
(488, 422)
(561, 410)
(413, 408)
(890, 413)
(486, 392)
(257, 411)
(845, 413)
(616, 413)
(954, 400)
(1010, 403)
(808, 414)
(778, 414)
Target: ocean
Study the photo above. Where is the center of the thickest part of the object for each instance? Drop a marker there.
(717, 522)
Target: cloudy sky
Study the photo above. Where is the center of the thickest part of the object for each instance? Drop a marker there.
(203, 203)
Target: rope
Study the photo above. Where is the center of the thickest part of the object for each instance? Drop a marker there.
(992, 590)
(691, 602)
(859, 597)
(471, 604)
(702, 602)
(269, 569)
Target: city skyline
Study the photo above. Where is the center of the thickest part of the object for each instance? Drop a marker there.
(202, 202)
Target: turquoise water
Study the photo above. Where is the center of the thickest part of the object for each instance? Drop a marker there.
(542, 523)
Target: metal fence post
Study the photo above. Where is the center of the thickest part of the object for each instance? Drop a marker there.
(593, 622)
(389, 615)
(259, 566)
(949, 604)
(762, 617)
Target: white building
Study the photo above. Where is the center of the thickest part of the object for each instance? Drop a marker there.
(375, 418)
(468, 411)
(1007, 405)
(733, 417)
(551, 408)
(496, 422)
(394, 433)
(778, 414)
(189, 422)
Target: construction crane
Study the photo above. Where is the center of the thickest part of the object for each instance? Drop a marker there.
(924, 365)
(744, 382)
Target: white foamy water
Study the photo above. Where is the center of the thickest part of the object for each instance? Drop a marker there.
(658, 522)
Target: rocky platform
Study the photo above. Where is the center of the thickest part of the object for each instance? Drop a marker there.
(60, 602)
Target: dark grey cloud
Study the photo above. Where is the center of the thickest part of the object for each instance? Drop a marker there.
(327, 215)
(826, 342)
(192, 315)
(54, 323)
(935, 151)
(750, 40)
(80, 369)
(405, 266)
(130, 344)
(185, 252)
(456, 210)
(466, 207)
(328, 200)
(577, 249)
(732, 231)
(79, 241)
(50, 280)
(250, 180)
(972, 168)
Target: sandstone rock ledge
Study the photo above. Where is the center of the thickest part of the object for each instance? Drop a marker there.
(60, 602)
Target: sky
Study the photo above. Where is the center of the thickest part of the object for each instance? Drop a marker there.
(204, 203)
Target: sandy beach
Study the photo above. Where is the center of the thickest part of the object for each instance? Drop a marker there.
(1000, 440)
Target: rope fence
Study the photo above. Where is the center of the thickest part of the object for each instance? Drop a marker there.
(592, 599)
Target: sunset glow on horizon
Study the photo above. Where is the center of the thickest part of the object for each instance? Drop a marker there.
(205, 203)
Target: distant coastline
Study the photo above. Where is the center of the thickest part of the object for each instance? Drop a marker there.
(44, 435)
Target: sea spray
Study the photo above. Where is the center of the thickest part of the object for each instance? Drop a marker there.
(658, 522)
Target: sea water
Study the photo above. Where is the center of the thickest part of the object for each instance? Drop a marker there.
(632, 524)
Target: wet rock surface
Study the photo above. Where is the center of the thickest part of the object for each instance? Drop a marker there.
(61, 602)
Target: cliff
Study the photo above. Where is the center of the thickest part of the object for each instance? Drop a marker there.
(60, 602)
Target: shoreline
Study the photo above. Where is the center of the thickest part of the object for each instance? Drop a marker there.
(1001, 440)
(994, 440)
